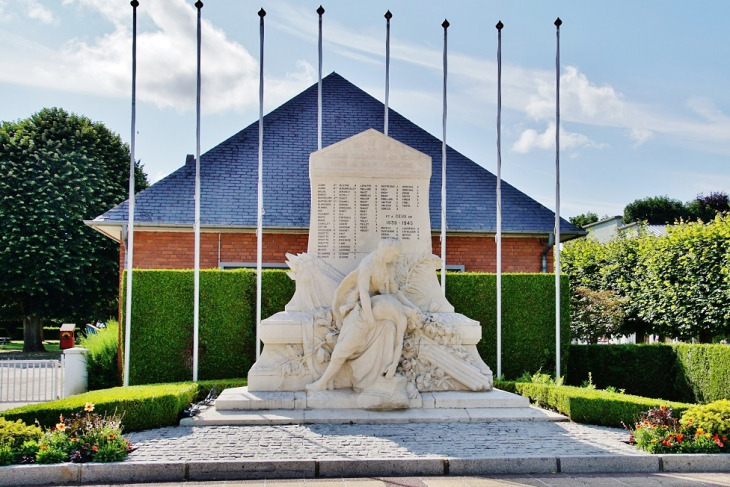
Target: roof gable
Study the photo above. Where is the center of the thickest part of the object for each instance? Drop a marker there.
(229, 172)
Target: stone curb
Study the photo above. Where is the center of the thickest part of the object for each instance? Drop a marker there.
(69, 473)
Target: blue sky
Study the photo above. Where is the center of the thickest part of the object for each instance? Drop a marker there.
(644, 85)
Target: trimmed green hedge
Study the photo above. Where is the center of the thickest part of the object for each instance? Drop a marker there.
(162, 325)
(681, 372)
(142, 407)
(161, 345)
(528, 318)
(592, 406)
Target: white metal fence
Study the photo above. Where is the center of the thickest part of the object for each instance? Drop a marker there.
(31, 380)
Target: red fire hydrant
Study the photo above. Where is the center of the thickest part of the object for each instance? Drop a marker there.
(67, 336)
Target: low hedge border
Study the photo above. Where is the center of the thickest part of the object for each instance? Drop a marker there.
(142, 407)
(590, 406)
(679, 372)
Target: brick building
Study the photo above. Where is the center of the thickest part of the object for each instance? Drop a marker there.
(164, 212)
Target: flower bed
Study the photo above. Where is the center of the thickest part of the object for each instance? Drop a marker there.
(701, 429)
(83, 437)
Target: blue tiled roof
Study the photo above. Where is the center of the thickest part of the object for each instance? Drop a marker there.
(229, 172)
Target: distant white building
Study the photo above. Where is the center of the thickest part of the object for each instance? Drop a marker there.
(610, 228)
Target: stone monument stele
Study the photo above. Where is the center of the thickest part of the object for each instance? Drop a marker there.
(368, 326)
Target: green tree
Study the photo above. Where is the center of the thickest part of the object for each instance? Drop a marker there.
(656, 210)
(584, 219)
(596, 314)
(59, 169)
(705, 208)
(684, 284)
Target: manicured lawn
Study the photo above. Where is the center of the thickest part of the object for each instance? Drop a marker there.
(14, 351)
(51, 345)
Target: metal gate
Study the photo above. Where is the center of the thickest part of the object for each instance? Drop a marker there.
(31, 380)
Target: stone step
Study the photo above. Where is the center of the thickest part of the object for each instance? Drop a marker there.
(241, 399)
(214, 417)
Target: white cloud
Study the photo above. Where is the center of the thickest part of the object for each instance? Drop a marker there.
(527, 90)
(639, 136)
(580, 100)
(706, 108)
(531, 139)
(5, 15)
(166, 61)
(38, 12)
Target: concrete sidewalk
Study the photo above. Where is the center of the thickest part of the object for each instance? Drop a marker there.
(557, 480)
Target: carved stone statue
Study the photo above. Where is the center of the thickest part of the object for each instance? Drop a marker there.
(369, 325)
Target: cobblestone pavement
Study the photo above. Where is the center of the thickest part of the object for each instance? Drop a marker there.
(557, 480)
(391, 441)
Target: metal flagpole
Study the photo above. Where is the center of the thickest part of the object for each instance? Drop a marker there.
(130, 226)
(260, 215)
(388, 16)
(499, 198)
(556, 248)
(196, 302)
(320, 11)
(445, 25)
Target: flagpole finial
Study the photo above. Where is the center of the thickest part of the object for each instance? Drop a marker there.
(199, 4)
(262, 13)
(134, 3)
(446, 24)
(320, 10)
(499, 25)
(388, 15)
(558, 22)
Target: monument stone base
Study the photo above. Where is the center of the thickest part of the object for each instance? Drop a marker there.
(241, 398)
(239, 406)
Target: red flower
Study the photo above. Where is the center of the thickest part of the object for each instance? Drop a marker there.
(679, 437)
(94, 448)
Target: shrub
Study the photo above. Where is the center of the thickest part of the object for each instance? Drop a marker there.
(596, 314)
(681, 372)
(659, 431)
(101, 361)
(141, 407)
(528, 318)
(591, 406)
(15, 433)
(713, 418)
(7, 455)
(702, 372)
(161, 342)
(162, 318)
(675, 285)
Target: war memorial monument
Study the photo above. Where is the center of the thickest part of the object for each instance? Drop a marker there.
(369, 326)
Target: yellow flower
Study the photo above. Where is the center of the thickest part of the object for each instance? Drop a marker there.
(61, 427)
(654, 440)
(89, 407)
(700, 431)
(707, 435)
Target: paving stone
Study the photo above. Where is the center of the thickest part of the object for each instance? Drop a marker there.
(133, 471)
(696, 463)
(381, 467)
(237, 469)
(39, 474)
(491, 466)
(609, 463)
